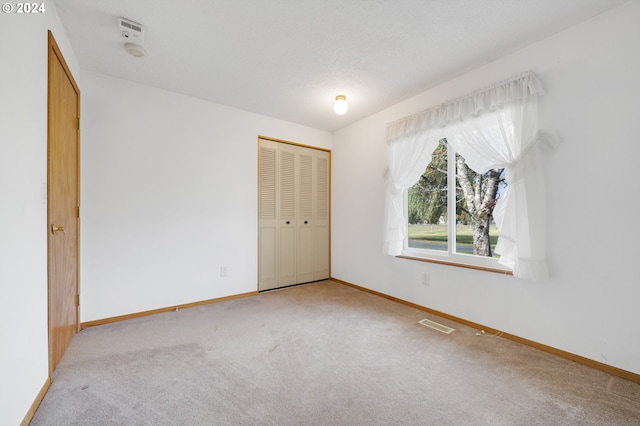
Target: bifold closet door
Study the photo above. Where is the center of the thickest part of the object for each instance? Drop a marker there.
(267, 216)
(293, 233)
(305, 249)
(320, 222)
(286, 194)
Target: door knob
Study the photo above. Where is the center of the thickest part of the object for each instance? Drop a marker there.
(55, 229)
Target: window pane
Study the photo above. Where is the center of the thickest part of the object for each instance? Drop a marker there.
(476, 196)
(427, 205)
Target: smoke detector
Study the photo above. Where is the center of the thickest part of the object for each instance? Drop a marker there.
(131, 31)
(133, 34)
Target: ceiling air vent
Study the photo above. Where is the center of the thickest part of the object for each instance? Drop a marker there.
(131, 31)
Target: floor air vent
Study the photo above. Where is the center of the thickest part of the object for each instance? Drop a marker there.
(432, 324)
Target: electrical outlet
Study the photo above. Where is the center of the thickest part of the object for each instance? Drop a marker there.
(223, 271)
(425, 279)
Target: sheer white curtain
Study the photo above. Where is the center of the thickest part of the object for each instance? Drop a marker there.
(408, 157)
(493, 128)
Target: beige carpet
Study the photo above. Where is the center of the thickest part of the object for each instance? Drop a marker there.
(320, 354)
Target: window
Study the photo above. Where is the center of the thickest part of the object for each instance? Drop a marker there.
(495, 130)
(449, 211)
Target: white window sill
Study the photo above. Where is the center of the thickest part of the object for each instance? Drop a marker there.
(460, 261)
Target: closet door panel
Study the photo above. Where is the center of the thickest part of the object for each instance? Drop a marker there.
(321, 215)
(305, 247)
(288, 168)
(267, 218)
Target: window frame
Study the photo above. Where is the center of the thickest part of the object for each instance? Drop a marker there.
(448, 257)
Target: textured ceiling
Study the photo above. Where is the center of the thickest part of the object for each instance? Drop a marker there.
(288, 59)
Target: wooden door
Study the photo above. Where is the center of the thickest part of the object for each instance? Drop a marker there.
(63, 204)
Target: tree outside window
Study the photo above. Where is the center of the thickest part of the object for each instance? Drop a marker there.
(476, 195)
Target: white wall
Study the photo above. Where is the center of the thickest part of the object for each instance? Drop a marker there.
(589, 306)
(168, 197)
(23, 210)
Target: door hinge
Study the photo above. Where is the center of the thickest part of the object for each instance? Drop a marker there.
(76, 122)
(78, 211)
(77, 300)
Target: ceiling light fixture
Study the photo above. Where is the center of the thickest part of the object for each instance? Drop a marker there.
(135, 50)
(341, 106)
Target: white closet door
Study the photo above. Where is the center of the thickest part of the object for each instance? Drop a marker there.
(267, 218)
(305, 246)
(293, 218)
(288, 166)
(321, 219)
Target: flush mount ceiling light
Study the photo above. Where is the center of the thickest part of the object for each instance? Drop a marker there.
(135, 50)
(341, 106)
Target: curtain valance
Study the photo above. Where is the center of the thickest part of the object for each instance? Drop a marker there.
(489, 98)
